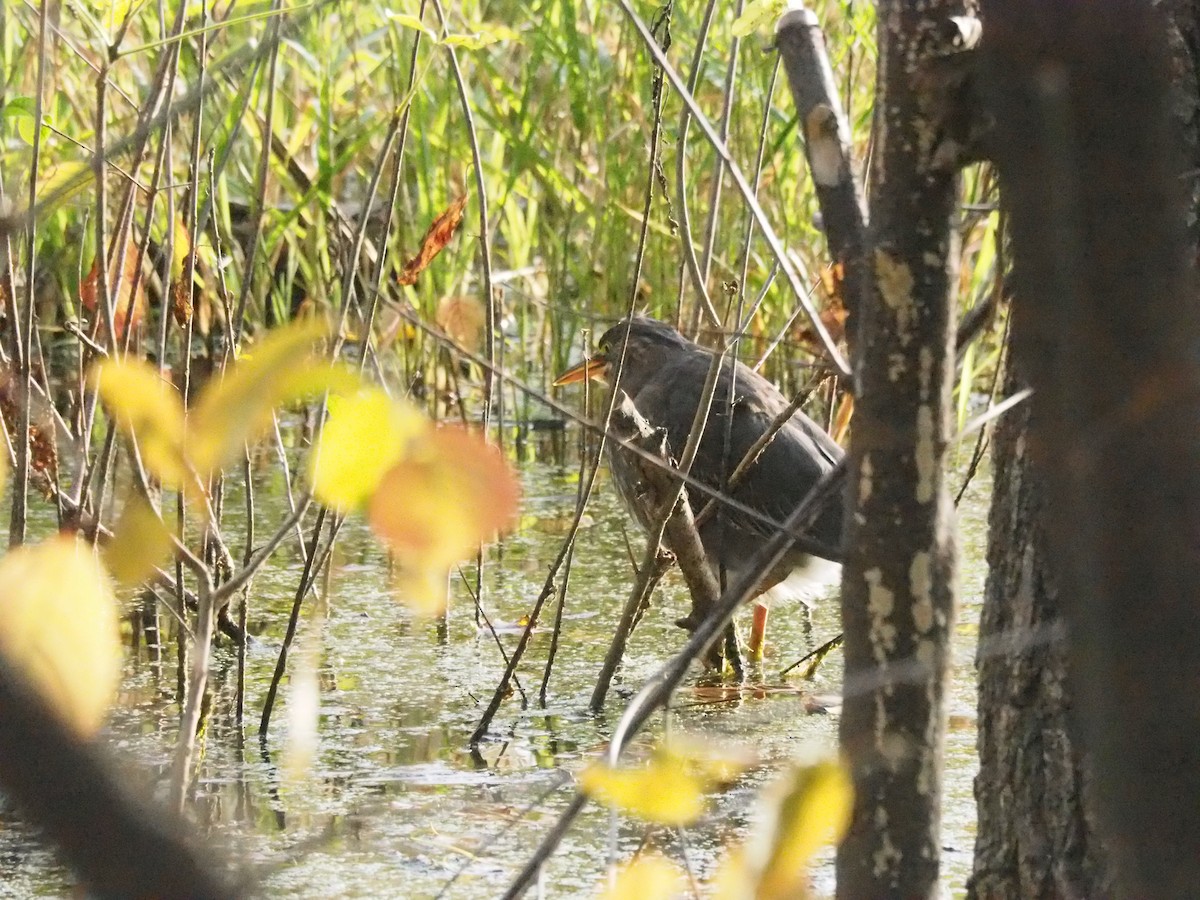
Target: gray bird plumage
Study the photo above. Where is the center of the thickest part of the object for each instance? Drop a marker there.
(664, 375)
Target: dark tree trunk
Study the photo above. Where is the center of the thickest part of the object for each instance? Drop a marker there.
(897, 591)
(1106, 324)
(1034, 840)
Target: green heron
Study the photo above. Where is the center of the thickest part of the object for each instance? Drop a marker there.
(664, 375)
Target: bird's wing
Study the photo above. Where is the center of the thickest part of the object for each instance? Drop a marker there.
(798, 456)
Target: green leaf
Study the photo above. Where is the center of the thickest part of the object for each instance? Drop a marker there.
(406, 20)
(480, 37)
(22, 111)
(757, 14)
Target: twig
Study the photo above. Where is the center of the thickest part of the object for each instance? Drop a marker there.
(24, 323)
(835, 357)
(699, 279)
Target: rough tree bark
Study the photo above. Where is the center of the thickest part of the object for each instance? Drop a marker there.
(1035, 838)
(898, 582)
(1106, 324)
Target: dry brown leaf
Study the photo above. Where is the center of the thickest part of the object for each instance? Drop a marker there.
(124, 306)
(42, 449)
(436, 238)
(462, 318)
(181, 303)
(833, 316)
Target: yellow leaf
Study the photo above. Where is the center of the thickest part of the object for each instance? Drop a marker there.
(235, 409)
(62, 182)
(181, 246)
(481, 35)
(141, 541)
(733, 879)
(366, 434)
(649, 877)
(114, 11)
(406, 20)
(58, 626)
(662, 790)
(715, 764)
(143, 405)
(809, 806)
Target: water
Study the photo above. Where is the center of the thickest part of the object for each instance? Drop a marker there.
(395, 804)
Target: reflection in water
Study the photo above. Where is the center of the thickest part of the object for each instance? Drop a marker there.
(395, 803)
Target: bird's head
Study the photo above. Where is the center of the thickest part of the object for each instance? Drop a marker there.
(651, 344)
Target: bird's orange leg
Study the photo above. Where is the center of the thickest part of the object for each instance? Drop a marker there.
(758, 631)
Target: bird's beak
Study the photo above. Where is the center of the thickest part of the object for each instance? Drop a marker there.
(596, 367)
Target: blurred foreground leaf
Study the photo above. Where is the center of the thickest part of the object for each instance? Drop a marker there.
(365, 435)
(662, 790)
(449, 493)
(231, 410)
(142, 403)
(58, 625)
(280, 369)
(303, 715)
(649, 877)
(804, 809)
(141, 541)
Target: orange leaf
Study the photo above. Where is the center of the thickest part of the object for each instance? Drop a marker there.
(124, 306)
(443, 500)
(444, 497)
(435, 240)
(833, 278)
(462, 318)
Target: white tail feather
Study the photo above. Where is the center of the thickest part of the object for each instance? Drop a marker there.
(807, 583)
